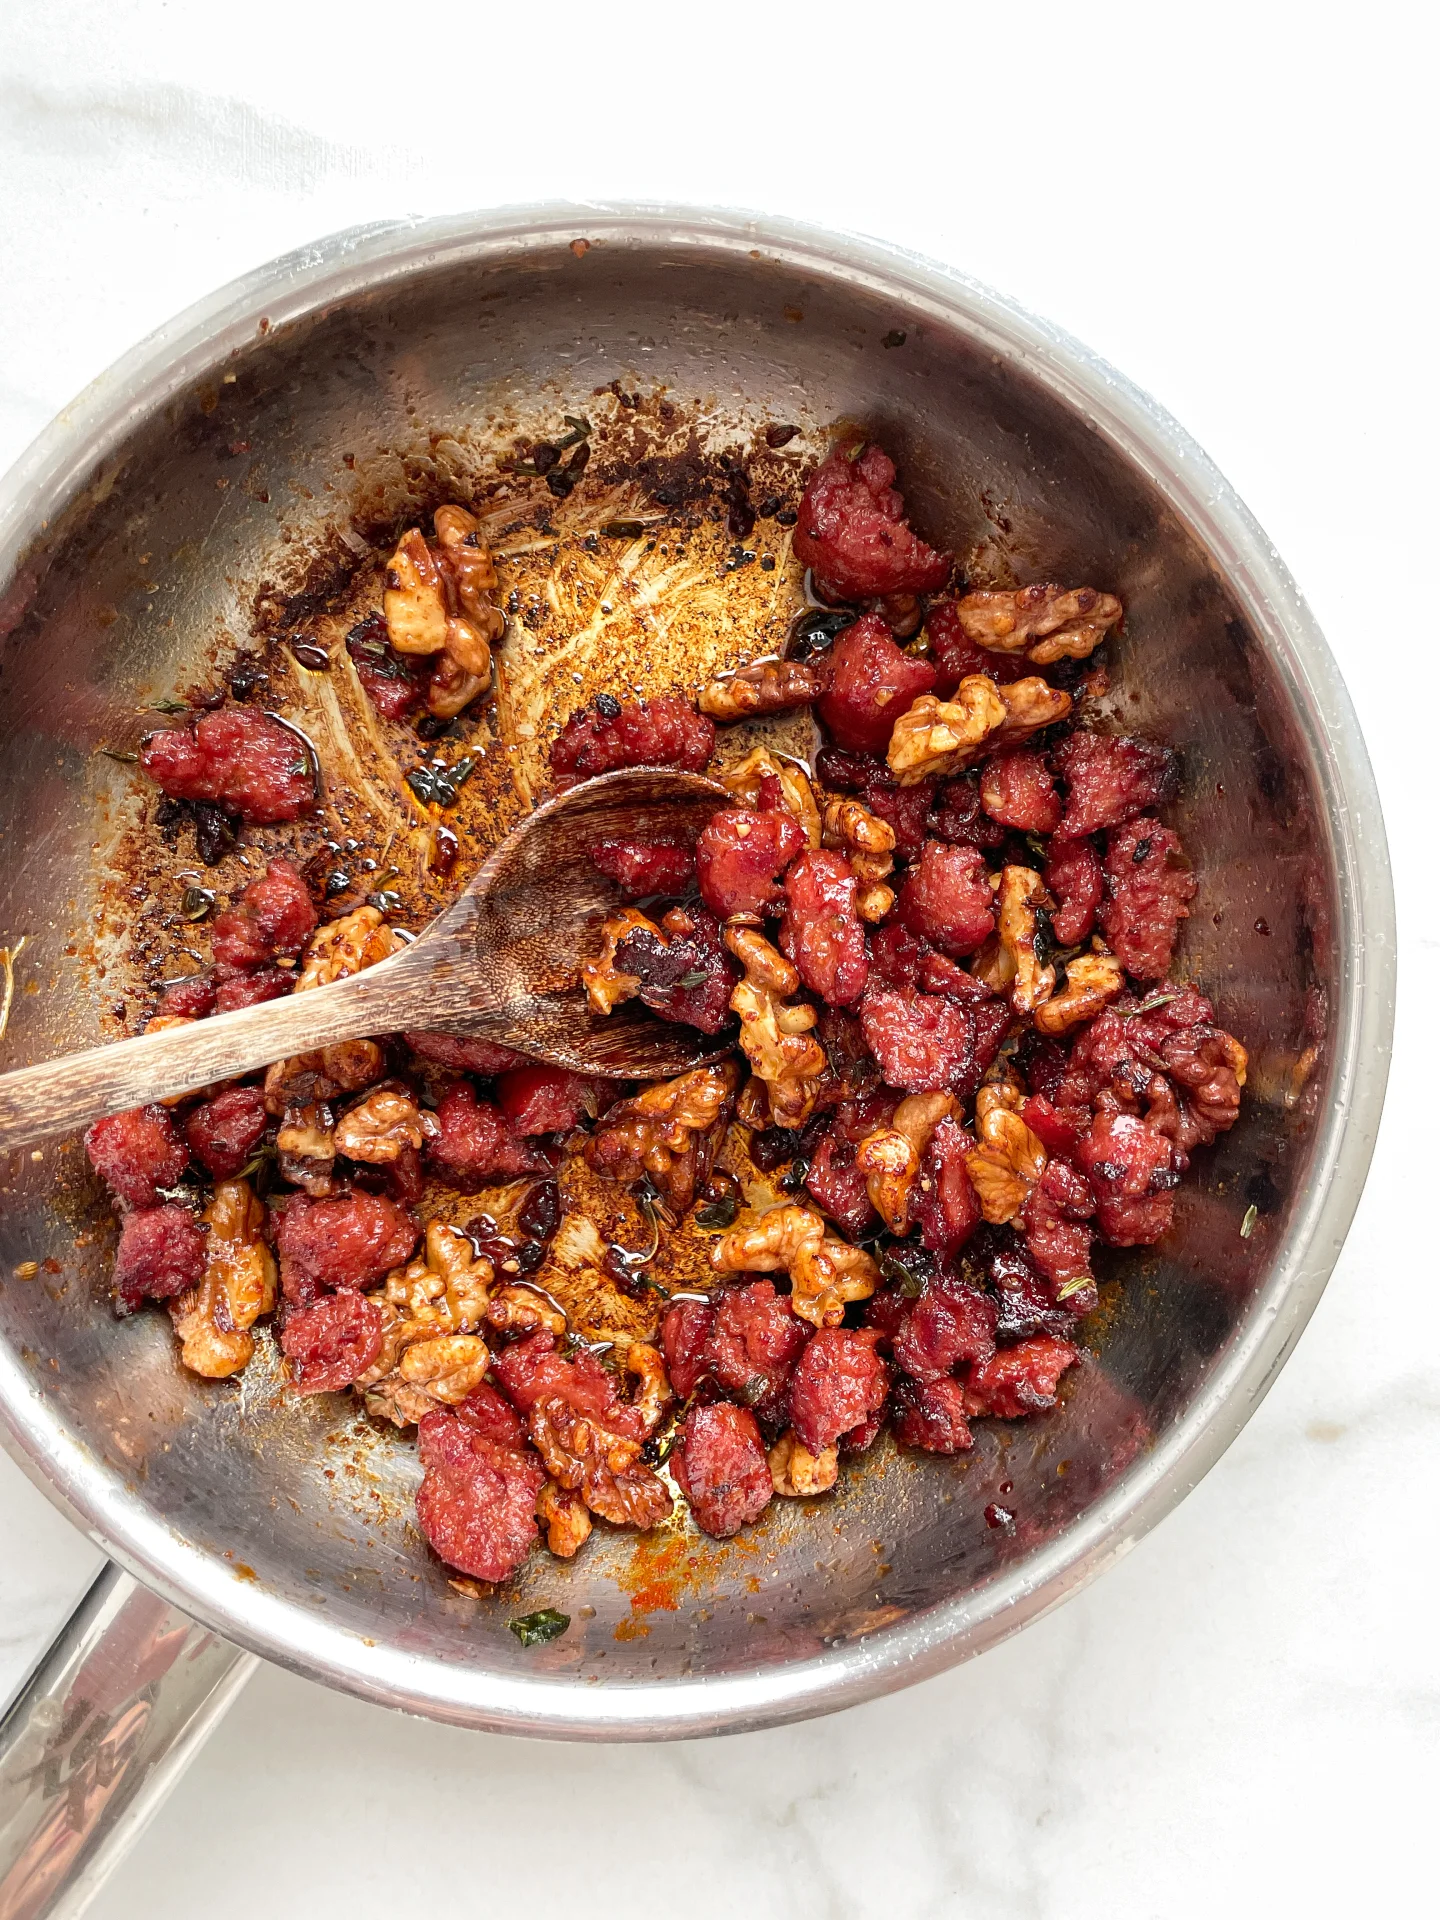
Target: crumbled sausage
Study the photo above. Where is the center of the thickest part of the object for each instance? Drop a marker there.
(161, 1253)
(341, 1244)
(720, 1466)
(1017, 790)
(753, 1340)
(947, 899)
(238, 757)
(839, 1381)
(1111, 778)
(137, 1154)
(476, 1504)
(1018, 1380)
(871, 683)
(664, 732)
(1149, 891)
(475, 1144)
(822, 932)
(1075, 882)
(740, 857)
(852, 532)
(641, 868)
(222, 1133)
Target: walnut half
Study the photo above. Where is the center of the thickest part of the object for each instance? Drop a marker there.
(890, 1156)
(825, 1274)
(670, 1131)
(348, 945)
(1008, 1158)
(770, 686)
(1092, 981)
(213, 1320)
(796, 1473)
(762, 772)
(380, 1127)
(1046, 623)
(774, 1035)
(938, 737)
(433, 1309)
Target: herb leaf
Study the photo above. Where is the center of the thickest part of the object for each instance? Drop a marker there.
(534, 1629)
(716, 1215)
(1247, 1225)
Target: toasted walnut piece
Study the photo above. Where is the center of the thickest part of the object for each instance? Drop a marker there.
(873, 903)
(653, 1393)
(1029, 705)
(452, 684)
(770, 686)
(939, 737)
(521, 1309)
(868, 840)
(213, 1320)
(825, 1274)
(415, 610)
(1008, 1158)
(447, 1367)
(670, 1130)
(468, 648)
(346, 946)
(749, 779)
(379, 1128)
(322, 1075)
(445, 1291)
(467, 560)
(1092, 981)
(890, 1156)
(1020, 894)
(605, 985)
(1047, 623)
(565, 1518)
(603, 1466)
(775, 1036)
(796, 1473)
(305, 1149)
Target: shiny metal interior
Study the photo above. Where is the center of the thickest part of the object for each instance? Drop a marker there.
(124, 557)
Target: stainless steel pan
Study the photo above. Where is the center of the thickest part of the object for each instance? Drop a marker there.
(128, 543)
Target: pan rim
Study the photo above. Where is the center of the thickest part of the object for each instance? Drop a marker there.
(66, 458)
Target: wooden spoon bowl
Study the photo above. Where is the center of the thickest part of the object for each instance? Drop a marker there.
(502, 964)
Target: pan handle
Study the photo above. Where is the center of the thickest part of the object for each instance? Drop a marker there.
(118, 1707)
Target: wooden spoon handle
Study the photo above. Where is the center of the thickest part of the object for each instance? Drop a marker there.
(69, 1093)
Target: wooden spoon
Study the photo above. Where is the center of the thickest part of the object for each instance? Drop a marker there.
(502, 963)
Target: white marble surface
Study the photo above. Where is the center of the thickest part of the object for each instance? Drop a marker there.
(1232, 203)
